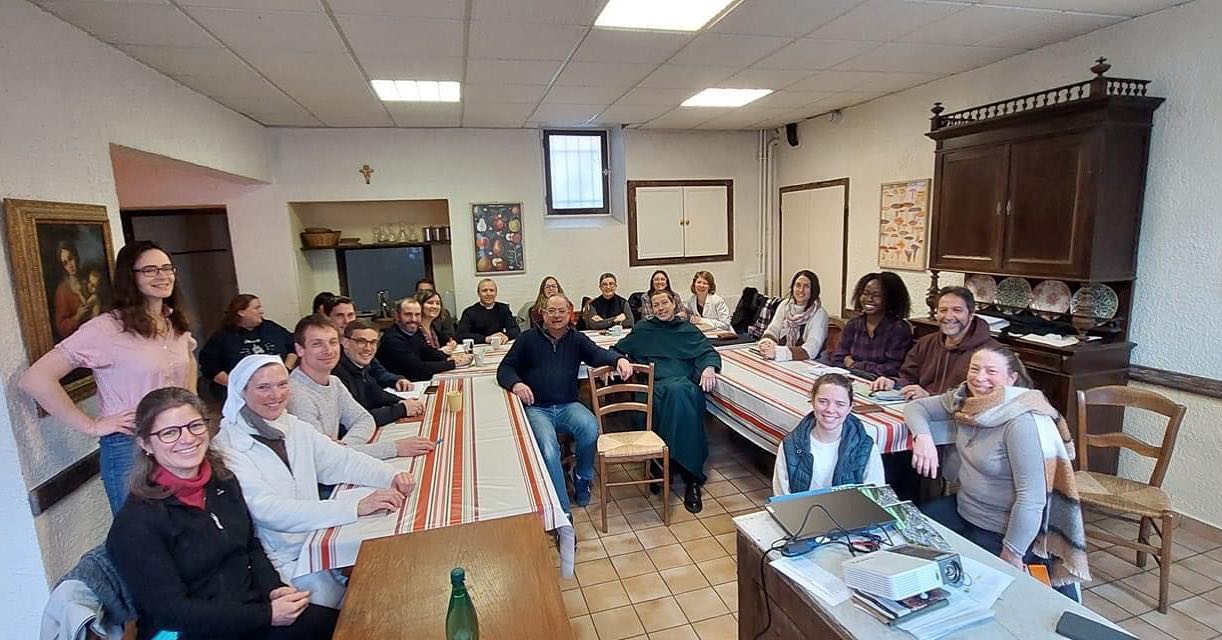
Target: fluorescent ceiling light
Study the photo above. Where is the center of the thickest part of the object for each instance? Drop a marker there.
(725, 97)
(416, 90)
(665, 15)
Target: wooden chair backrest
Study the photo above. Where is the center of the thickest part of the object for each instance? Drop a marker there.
(599, 380)
(1124, 396)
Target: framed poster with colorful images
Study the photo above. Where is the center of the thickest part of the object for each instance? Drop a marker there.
(498, 237)
(903, 224)
(61, 260)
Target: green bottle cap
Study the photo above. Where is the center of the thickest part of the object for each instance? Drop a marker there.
(458, 577)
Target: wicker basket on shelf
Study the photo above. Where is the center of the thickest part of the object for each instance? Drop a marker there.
(314, 238)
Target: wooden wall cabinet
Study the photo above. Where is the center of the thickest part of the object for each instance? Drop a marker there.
(678, 221)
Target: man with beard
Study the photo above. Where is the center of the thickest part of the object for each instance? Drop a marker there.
(404, 351)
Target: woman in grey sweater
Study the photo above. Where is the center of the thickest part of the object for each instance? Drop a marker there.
(1008, 438)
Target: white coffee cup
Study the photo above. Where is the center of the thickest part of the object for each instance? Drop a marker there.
(467, 345)
(495, 341)
(615, 330)
(481, 354)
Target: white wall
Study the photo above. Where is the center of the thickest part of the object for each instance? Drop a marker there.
(465, 166)
(64, 98)
(1181, 238)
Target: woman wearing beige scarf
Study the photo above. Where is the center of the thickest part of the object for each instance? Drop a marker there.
(1017, 496)
(799, 327)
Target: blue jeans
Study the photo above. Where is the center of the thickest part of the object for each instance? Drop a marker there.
(574, 419)
(118, 457)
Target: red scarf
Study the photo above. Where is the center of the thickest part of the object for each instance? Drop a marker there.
(188, 491)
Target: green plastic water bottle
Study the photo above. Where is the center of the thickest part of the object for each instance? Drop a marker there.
(461, 622)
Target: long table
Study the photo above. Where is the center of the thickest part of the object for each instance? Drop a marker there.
(476, 474)
(493, 357)
(764, 400)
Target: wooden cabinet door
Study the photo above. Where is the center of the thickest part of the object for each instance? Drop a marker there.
(659, 217)
(706, 220)
(1046, 220)
(970, 192)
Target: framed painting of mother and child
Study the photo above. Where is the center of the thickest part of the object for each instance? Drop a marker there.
(61, 260)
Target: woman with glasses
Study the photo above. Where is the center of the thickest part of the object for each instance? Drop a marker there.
(184, 542)
(243, 331)
(533, 314)
(878, 339)
(141, 343)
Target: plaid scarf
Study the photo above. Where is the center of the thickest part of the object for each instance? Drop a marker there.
(1062, 536)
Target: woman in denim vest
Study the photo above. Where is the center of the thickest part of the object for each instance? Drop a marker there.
(829, 447)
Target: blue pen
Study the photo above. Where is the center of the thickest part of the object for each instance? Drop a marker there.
(439, 441)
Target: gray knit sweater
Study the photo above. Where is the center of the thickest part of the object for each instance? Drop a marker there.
(330, 405)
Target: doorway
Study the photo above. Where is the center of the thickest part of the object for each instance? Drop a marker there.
(814, 234)
(197, 240)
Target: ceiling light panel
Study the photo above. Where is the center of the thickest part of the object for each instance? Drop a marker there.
(670, 15)
(725, 97)
(417, 90)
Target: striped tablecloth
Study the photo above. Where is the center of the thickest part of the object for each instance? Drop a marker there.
(487, 466)
(764, 400)
(493, 357)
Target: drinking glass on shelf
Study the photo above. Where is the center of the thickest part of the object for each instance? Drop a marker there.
(402, 232)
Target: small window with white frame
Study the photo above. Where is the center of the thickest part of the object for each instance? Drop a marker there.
(577, 171)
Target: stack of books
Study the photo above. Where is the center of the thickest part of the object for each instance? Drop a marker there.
(892, 612)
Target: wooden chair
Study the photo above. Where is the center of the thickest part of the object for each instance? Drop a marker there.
(1145, 500)
(627, 446)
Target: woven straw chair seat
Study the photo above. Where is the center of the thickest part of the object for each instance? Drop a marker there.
(628, 444)
(1118, 494)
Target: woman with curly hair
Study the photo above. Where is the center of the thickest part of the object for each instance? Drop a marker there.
(877, 340)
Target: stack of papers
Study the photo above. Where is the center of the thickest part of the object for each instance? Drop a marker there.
(962, 612)
(1050, 339)
(813, 579)
(995, 324)
(416, 392)
(821, 369)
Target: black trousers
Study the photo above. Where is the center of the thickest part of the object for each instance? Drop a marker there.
(315, 623)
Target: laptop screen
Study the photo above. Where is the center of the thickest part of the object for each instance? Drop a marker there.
(844, 509)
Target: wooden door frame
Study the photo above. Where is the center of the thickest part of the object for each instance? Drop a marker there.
(844, 251)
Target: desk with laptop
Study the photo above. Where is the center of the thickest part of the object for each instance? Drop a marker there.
(856, 563)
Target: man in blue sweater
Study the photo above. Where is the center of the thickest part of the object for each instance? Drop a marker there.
(541, 370)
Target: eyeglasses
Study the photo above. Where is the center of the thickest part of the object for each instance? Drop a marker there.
(170, 435)
(365, 344)
(151, 271)
(871, 295)
(555, 312)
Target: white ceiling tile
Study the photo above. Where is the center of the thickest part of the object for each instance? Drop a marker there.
(494, 40)
(382, 36)
(678, 76)
(529, 94)
(618, 45)
(347, 113)
(781, 17)
(551, 11)
(511, 71)
(649, 96)
(883, 20)
(685, 118)
(841, 100)
(424, 114)
(253, 30)
(407, 9)
(730, 122)
(319, 66)
(310, 6)
(132, 23)
(815, 54)
(583, 95)
(764, 78)
(926, 58)
(492, 122)
(790, 99)
(1061, 27)
(215, 60)
(565, 114)
(727, 50)
(505, 111)
(977, 23)
(352, 91)
(250, 95)
(631, 113)
(1127, 8)
(868, 81)
(399, 68)
(603, 74)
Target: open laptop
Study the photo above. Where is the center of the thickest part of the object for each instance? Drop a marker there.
(851, 509)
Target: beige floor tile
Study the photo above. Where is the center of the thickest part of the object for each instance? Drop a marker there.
(716, 489)
(719, 628)
(749, 483)
(624, 492)
(615, 526)
(607, 595)
(617, 624)
(595, 511)
(580, 515)
(632, 564)
(1119, 527)
(1106, 567)
(647, 586)
(1125, 597)
(1143, 630)
(736, 502)
(719, 570)
(760, 498)
(583, 628)
(710, 507)
(619, 544)
(729, 595)
(719, 524)
(692, 530)
(679, 514)
(634, 504)
(731, 471)
(703, 549)
(684, 579)
(1214, 596)
(1191, 580)
(569, 583)
(644, 519)
(1179, 625)
(655, 537)
(1104, 607)
(595, 572)
(590, 549)
(669, 556)
(574, 603)
(713, 475)
(729, 542)
(701, 604)
(685, 632)
(1201, 610)
(1200, 542)
(1147, 583)
(586, 530)
(1203, 564)
(659, 614)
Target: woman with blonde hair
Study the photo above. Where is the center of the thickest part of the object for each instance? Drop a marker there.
(533, 314)
(704, 306)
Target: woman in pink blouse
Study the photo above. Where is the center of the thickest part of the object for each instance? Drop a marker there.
(142, 343)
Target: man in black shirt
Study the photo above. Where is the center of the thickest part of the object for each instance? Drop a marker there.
(487, 318)
(355, 371)
(404, 351)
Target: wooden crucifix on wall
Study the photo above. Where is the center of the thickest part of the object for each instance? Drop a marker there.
(366, 171)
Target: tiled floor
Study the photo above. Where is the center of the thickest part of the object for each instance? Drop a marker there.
(645, 580)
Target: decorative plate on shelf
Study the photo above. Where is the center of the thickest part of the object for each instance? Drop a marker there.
(1050, 297)
(983, 287)
(1014, 293)
(1098, 301)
